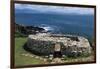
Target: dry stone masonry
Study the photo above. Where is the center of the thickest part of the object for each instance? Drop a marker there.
(69, 45)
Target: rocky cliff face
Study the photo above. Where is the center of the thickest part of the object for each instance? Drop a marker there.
(44, 43)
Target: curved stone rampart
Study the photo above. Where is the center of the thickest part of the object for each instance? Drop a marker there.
(44, 43)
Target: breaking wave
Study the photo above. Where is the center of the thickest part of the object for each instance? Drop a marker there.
(50, 28)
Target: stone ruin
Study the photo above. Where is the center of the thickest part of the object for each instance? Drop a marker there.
(58, 45)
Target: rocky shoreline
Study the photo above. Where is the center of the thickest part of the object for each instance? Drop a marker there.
(27, 30)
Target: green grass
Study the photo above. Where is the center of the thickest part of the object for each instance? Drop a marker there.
(18, 34)
(20, 59)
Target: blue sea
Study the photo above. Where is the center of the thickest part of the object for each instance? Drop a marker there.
(75, 24)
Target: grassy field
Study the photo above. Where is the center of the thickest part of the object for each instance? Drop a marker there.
(21, 60)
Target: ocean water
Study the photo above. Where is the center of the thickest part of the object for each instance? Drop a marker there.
(82, 25)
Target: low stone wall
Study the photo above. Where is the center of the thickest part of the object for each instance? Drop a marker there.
(42, 47)
(47, 47)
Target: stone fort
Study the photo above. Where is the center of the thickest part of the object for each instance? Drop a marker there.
(58, 44)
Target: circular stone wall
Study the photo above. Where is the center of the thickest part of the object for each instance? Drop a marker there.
(44, 44)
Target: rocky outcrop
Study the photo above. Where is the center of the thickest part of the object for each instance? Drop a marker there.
(44, 43)
(26, 30)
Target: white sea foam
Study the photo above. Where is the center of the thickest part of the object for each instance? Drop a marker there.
(48, 28)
